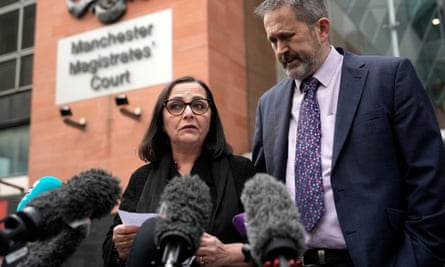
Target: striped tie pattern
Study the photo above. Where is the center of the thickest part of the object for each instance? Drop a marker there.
(308, 180)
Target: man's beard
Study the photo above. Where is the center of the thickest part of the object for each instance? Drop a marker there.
(306, 66)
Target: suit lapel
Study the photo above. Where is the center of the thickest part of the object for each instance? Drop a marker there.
(351, 90)
(282, 106)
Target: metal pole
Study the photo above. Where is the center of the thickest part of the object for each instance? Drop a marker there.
(392, 28)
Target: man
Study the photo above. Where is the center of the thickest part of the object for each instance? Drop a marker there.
(380, 151)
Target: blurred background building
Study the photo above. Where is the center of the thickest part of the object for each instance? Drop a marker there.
(46, 50)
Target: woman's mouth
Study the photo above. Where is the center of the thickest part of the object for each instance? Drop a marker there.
(186, 127)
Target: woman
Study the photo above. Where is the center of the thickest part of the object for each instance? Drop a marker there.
(186, 136)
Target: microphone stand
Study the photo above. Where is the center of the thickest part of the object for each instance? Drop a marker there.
(284, 261)
(177, 247)
(171, 254)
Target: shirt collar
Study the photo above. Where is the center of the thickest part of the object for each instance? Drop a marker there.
(326, 72)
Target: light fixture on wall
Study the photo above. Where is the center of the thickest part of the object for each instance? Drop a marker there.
(122, 102)
(66, 114)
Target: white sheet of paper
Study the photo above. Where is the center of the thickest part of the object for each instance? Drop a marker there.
(135, 218)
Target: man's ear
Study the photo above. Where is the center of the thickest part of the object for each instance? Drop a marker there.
(323, 26)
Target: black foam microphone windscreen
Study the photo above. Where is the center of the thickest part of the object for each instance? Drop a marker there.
(58, 220)
(90, 194)
(54, 251)
(184, 212)
(272, 219)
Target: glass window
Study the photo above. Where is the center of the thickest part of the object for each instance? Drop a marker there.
(16, 64)
(26, 70)
(362, 27)
(344, 4)
(15, 109)
(7, 75)
(8, 32)
(28, 26)
(14, 143)
(422, 18)
(7, 2)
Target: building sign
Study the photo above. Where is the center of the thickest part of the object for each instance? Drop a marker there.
(125, 56)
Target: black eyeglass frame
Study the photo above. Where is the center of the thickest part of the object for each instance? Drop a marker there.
(209, 103)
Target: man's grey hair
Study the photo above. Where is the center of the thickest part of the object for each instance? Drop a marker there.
(308, 11)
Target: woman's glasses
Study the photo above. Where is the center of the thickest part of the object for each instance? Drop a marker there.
(177, 106)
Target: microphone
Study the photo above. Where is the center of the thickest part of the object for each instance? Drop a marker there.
(64, 212)
(239, 221)
(144, 251)
(42, 185)
(272, 219)
(184, 212)
(54, 251)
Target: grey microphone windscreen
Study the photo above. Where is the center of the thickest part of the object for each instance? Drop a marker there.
(184, 213)
(271, 215)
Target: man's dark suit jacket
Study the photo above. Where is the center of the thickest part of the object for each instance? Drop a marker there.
(387, 162)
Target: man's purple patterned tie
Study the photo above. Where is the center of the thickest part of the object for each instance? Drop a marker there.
(308, 180)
